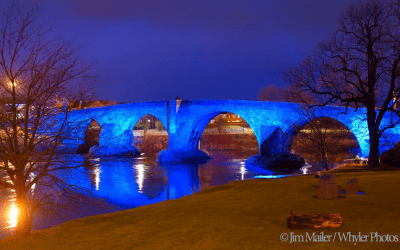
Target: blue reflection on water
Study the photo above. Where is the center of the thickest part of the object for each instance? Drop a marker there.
(122, 182)
(270, 176)
(132, 182)
(183, 179)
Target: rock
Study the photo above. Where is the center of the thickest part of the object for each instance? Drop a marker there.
(329, 191)
(327, 187)
(313, 221)
(352, 186)
(326, 179)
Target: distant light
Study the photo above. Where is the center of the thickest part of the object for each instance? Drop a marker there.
(242, 171)
(32, 176)
(10, 84)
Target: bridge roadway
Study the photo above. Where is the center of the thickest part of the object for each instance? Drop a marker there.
(275, 124)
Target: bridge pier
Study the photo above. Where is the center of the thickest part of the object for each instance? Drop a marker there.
(271, 141)
(181, 142)
(113, 142)
(182, 180)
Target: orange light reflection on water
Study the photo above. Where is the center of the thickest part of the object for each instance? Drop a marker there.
(11, 214)
(12, 211)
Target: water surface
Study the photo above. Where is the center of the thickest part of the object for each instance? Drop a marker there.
(131, 182)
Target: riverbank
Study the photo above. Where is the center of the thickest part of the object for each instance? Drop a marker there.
(239, 215)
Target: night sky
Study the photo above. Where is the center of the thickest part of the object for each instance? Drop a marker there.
(148, 50)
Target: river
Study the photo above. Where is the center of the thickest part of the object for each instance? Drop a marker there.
(131, 182)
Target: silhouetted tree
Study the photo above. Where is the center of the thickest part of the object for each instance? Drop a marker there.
(289, 93)
(321, 137)
(272, 93)
(37, 71)
(318, 138)
(358, 67)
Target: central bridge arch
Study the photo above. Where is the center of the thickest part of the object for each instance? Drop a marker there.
(130, 124)
(200, 124)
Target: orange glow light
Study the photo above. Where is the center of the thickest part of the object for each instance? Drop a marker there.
(12, 213)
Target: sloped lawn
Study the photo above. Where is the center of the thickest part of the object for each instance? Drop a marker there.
(239, 215)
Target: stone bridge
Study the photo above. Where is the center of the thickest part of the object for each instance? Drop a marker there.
(273, 123)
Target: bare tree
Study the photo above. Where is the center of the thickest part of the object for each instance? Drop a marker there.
(318, 138)
(37, 72)
(322, 138)
(289, 93)
(272, 93)
(358, 67)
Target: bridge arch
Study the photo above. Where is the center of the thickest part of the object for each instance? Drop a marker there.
(293, 130)
(91, 135)
(201, 122)
(129, 125)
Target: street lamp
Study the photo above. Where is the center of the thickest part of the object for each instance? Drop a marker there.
(12, 84)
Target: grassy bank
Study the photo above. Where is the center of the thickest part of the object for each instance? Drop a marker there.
(239, 215)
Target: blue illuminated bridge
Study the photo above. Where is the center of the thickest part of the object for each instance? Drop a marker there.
(274, 123)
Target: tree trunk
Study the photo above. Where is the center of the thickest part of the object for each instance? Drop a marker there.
(325, 160)
(373, 129)
(24, 225)
(373, 159)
